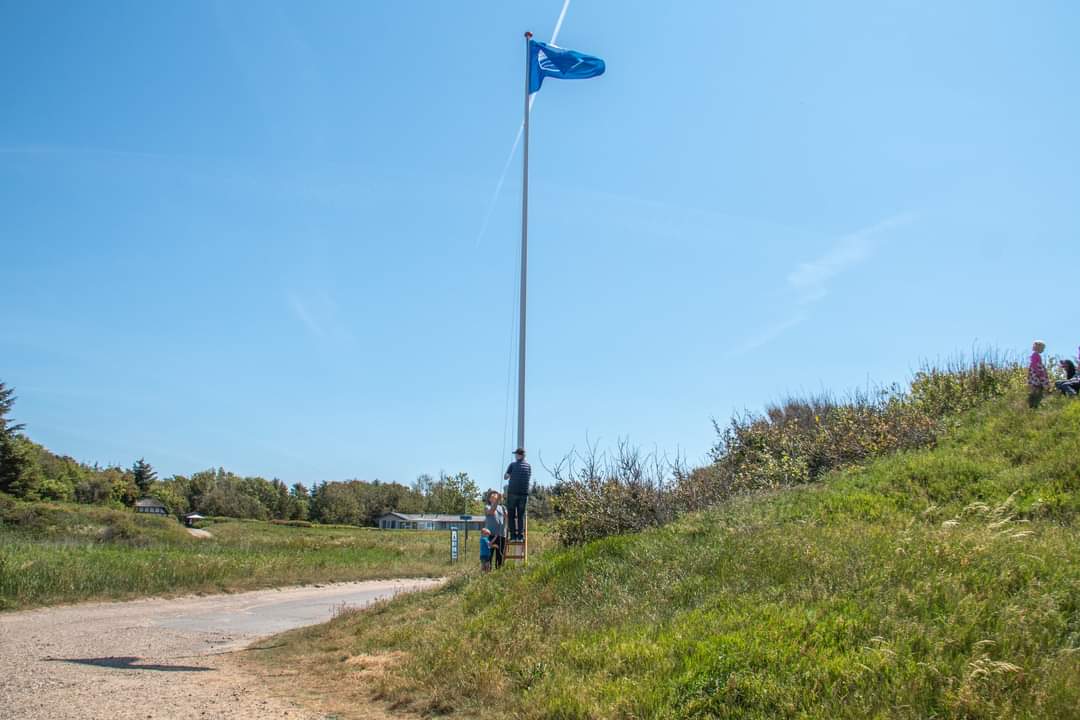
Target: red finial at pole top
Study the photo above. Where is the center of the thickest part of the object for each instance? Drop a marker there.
(528, 34)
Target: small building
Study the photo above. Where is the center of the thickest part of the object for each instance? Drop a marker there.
(427, 521)
(151, 505)
(191, 518)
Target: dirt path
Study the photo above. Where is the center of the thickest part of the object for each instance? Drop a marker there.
(160, 658)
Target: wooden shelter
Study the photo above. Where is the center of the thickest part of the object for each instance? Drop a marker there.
(151, 505)
(191, 518)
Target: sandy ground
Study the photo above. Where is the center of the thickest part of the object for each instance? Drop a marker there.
(160, 658)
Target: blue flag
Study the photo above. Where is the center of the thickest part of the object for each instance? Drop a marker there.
(551, 61)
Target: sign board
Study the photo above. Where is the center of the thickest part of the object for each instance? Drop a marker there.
(466, 518)
(453, 545)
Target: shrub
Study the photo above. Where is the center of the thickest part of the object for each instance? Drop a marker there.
(120, 527)
(600, 494)
(803, 439)
(229, 500)
(961, 385)
(94, 490)
(796, 442)
(7, 504)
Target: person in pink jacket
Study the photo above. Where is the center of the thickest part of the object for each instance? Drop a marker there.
(1038, 380)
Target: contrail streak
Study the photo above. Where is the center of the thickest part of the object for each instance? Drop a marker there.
(499, 185)
(558, 23)
(517, 139)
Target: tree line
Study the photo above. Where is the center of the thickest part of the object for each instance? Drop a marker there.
(31, 472)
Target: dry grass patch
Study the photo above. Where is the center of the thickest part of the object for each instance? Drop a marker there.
(321, 673)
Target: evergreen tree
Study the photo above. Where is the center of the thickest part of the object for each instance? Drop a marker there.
(144, 475)
(7, 400)
(314, 505)
(14, 461)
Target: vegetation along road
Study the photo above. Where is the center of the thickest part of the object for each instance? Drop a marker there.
(161, 658)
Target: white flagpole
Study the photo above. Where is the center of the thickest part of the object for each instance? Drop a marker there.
(524, 256)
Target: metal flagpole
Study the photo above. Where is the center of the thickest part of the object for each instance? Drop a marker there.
(524, 256)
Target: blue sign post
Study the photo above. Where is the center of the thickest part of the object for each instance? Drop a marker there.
(466, 518)
(453, 545)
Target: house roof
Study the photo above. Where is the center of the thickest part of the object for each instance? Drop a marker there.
(429, 517)
(149, 502)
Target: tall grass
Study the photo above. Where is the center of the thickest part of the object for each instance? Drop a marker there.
(935, 582)
(53, 553)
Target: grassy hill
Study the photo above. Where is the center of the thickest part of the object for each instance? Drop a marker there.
(942, 582)
(60, 552)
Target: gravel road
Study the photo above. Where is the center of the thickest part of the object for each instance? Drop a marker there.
(160, 658)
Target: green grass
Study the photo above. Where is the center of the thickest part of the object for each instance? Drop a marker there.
(939, 583)
(53, 553)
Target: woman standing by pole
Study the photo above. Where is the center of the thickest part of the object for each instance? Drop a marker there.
(495, 523)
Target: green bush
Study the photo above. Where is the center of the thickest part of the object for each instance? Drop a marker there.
(600, 494)
(793, 443)
(960, 385)
(120, 528)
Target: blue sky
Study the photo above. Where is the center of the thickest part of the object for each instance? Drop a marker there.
(249, 234)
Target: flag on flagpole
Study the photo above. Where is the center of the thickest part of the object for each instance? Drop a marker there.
(556, 62)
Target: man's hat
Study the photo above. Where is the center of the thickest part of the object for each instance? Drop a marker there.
(519, 451)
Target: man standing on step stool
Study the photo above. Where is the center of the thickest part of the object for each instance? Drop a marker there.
(517, 494)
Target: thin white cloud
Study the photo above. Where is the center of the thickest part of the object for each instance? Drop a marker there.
(320, 314)
(810, 280)
(305, 315)
(769, 333)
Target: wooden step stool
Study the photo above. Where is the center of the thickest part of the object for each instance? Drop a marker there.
(517, 551)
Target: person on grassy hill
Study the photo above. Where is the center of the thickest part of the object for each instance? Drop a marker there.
(485, 550)
(1071, 384)
(517, 474)
(495, 524)
(1038, 380)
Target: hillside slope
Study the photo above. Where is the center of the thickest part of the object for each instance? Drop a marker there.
(938, 583)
